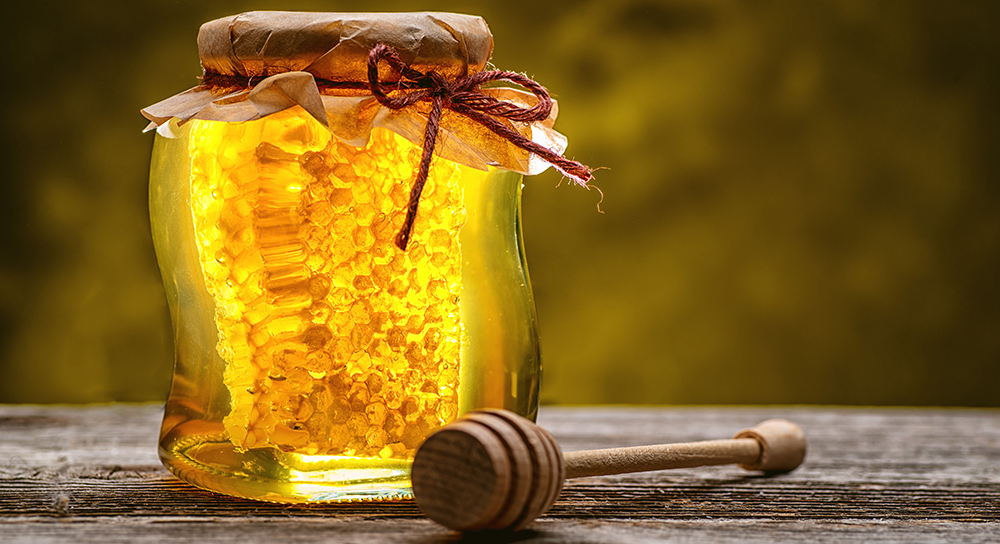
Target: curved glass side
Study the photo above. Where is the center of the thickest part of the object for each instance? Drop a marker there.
(501, 360)
(499, 366)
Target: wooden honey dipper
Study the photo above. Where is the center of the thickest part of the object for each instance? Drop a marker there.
(493, 469)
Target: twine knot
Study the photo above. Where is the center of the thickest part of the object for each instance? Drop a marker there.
(463, 95)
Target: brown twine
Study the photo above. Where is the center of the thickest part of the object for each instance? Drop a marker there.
(461, 95)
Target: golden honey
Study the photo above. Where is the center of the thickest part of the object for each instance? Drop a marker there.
(334, 343)
(313, 355)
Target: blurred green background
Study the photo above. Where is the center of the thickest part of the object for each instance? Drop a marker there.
(802, 199)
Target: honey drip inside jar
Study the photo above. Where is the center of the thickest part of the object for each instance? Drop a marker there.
(335, 341)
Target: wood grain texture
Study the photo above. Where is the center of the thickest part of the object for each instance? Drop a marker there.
(91, 474)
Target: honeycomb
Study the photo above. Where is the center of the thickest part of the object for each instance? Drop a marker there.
(335, 341)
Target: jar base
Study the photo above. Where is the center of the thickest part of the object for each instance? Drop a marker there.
(210, 461)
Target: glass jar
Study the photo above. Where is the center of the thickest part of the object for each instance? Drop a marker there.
(313, 354)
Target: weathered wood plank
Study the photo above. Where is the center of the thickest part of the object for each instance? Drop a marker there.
(230, 530)
(91, 474)
(876, 446)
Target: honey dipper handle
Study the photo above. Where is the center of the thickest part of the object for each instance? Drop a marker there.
(774, 445)
(642, 458)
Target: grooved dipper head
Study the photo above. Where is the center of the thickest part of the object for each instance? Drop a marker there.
(489, 470)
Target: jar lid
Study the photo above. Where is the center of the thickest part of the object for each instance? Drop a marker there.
(260, 63)
(335, 46)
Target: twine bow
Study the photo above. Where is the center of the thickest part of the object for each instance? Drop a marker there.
(463, 96)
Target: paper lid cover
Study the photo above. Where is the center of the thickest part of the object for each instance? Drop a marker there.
(270, 61)
(335, 46)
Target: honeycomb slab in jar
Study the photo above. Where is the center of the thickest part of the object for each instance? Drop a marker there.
(335, 341)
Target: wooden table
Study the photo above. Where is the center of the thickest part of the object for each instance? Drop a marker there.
(91, 474)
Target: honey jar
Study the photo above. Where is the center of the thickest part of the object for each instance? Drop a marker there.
(329, 313)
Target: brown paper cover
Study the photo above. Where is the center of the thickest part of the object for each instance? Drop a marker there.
(288, 59)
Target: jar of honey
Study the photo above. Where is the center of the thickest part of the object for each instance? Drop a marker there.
(313, 352)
